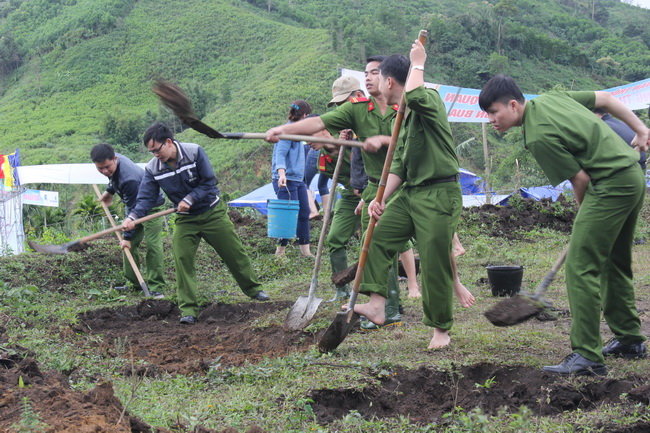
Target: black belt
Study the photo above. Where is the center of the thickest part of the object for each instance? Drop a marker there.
(453, 178)
(373, 180)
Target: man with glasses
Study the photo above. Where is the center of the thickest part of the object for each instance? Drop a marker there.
(124, 178)
(184, 173)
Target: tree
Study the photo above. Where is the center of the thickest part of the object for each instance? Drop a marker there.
(11, 56)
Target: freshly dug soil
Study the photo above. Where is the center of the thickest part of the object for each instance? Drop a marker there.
(424, 395)
(150, 331)
(511, 223)
(31, 397)
(513, 311)
(35, 400)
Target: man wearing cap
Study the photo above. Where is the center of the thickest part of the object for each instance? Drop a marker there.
(367, 117)
(345, 221)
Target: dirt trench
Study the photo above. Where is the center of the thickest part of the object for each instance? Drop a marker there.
(425, 394)
(224, 334)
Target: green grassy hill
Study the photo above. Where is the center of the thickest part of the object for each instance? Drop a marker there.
(76, 72)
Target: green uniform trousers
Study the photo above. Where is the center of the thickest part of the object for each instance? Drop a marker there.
(153, 274)
(599, 263)
(344, 224)
(392, 284)
(430, 215)
(216, 228)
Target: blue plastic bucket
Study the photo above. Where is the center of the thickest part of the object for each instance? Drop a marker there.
(282, 218)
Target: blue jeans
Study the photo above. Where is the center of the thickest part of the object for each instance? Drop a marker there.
(311, 170)
(296, 190)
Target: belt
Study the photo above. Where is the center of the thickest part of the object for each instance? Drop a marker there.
(373, 180)
(453, 178)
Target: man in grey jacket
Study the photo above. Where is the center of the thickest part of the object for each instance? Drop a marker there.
(184, 173)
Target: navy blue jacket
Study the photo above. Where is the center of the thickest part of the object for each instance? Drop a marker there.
(625, 132)
(193, 181)
(125, 182)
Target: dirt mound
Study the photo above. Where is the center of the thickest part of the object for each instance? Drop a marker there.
(424, 395)
(32, 400)
(524, 214)
(150, 331)
(240, 219)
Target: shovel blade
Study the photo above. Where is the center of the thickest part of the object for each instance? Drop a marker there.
(50, 249)
(513, 311)
(337, 331)
(301, 313)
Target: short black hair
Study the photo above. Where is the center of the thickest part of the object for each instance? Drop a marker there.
(500, 88)
(378, 58)
(101, 152)
(396, 66)
(158, 132)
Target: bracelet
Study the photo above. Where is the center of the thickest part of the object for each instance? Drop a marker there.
(420, 67)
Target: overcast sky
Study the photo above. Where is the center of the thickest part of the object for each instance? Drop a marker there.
(642, 3)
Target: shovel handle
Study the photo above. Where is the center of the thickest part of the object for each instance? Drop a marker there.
(127, 251)
(397, 126)
(118, 228)
(292, 137)
(548, 278)
(326, 220)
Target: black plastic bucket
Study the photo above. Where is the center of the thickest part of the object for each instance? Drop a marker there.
(505, 280)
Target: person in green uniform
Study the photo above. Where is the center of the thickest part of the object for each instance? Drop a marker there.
(422, 197)
(366, 117)
(345, 221)
(569, 142)
(124, 178)
(184, 173)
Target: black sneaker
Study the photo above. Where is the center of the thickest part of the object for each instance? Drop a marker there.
(188, 320)
(629, 351)
(261, 296)
(577, 365)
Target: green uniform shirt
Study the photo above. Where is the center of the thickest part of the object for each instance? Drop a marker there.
(425, 149)
(327, 165)
(564, 136)
(364, 118)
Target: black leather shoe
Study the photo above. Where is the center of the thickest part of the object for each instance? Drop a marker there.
(577, 365)
(629, 351)
(188, 320)
(261, 296)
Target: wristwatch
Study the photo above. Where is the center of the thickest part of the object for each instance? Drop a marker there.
(420, 67)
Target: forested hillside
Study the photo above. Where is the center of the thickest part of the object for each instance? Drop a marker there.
(76, 72)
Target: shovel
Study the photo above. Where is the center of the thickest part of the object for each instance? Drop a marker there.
(177, 101)
(520, 308)
(78, 244)
(127, 251)
(305, 307)
(345, 320)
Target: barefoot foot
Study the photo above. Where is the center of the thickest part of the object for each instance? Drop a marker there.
(457, 248)
(440, 339)
(464, 296)
(373, 310)
(375, 314)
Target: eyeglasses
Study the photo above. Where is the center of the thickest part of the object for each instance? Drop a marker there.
(157, 151)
